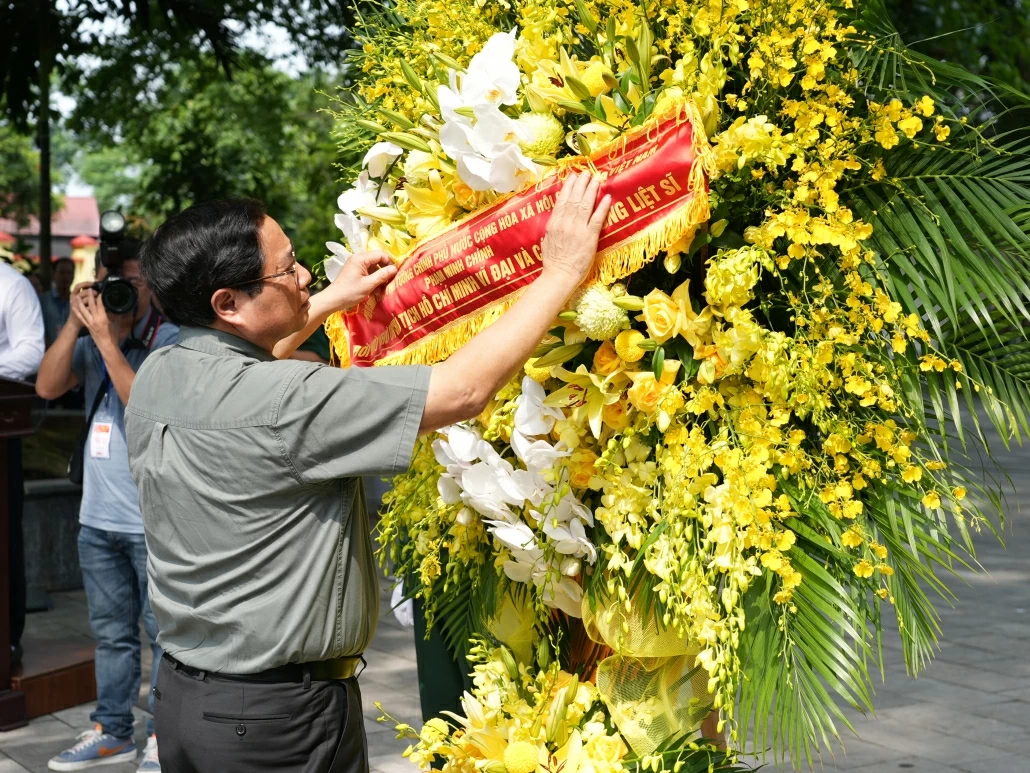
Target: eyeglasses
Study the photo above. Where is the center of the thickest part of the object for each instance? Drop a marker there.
(291, 270)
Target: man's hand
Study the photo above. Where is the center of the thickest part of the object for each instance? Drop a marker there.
(570, 243)
(89, 310)
(360, 276)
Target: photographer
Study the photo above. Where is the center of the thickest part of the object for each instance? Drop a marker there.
(123, 328)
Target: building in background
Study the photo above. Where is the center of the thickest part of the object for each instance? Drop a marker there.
(79, 216)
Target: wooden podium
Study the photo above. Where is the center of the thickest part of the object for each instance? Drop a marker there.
(15, 421)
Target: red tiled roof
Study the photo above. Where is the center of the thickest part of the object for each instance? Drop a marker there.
(84, 241)
(6, 238)
(80, 215)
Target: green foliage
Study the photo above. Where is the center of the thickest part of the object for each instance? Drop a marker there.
(19, 175)
(985, 37)
(197, 136)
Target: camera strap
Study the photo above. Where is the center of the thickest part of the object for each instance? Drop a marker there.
(145, 341)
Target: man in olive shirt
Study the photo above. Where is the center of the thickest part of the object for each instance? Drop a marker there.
(261, 568)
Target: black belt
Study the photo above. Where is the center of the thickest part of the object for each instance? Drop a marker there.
(322, 670)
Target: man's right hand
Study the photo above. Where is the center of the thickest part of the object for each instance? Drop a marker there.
(361, 275)
(570, 244)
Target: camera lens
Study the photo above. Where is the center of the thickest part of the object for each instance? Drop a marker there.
(119, 296)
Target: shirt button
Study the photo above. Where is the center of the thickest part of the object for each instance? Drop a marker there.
(241, 730)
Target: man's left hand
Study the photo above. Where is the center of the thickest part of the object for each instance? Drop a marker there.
(360, 276)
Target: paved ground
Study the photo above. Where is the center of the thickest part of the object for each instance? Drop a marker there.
(968, 713)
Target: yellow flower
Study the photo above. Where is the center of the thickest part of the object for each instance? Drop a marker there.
(959, 492)
(941, 130)
(925, 106)
(586, 393)
(581, 468)
(539, 375)
(645, 392)
(616, 415)
(546, 134)
(521, 757)
(661, 313)
(878, 549)
(932, 500)
(592, 76)
(864, 569)
(912, 474)
(626, 345)
(606, 359)
(851, 539)
(691, 326)
(911, 126)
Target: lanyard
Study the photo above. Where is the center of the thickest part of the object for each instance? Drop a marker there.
(145, 342)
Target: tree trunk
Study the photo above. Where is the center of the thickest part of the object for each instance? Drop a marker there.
(46, 66)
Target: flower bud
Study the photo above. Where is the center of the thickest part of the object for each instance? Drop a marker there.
(630, 302)
(558, 355)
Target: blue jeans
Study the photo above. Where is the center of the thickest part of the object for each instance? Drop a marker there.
(114, 571)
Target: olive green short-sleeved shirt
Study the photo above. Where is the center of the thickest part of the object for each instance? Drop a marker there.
(248, 473)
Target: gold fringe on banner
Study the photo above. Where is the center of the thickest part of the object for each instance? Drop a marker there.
(611, 265)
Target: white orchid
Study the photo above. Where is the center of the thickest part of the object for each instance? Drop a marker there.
(336, 261)
(487, 150)
(493, 77)
(532, 416)
(538, 455)
(379, 158)
(485, 147)
(364, 193)
(566, 595)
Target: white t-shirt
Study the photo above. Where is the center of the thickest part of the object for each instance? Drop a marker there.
(21, 325)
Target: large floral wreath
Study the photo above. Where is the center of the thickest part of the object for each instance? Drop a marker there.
(720, 471)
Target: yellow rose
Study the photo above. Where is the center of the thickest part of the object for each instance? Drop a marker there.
(626, 345)
(661, 313)
(581, 468)
(616, 415)
(606, 361)
(645, 392)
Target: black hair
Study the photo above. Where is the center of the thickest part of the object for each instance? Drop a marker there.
(59, 261)
(203, 249)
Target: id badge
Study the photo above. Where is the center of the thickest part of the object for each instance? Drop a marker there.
(100, 440)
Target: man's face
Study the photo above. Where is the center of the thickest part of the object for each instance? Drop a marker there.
(281, 306)
(64, 272)
(130, 271)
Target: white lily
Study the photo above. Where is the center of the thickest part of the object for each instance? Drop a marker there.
(379, 158)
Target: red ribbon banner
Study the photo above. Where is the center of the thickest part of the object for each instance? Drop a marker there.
(460, 274)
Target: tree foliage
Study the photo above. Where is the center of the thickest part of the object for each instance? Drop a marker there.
(197, 136)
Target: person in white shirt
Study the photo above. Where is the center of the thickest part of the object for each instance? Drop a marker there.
(21, 350)
(21, 325)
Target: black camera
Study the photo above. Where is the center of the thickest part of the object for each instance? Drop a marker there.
(117, 293)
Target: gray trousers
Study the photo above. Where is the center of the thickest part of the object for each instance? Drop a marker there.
(206, 724)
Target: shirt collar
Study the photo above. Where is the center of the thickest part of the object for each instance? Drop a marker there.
(211, 341)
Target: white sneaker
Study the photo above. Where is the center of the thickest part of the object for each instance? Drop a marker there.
(150, 763)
